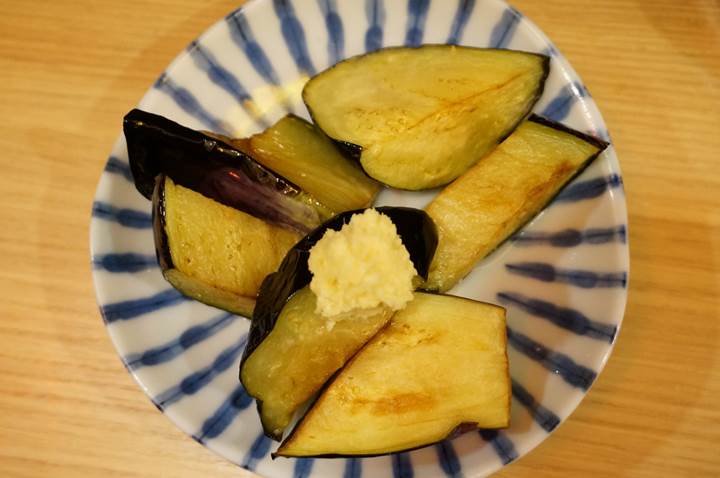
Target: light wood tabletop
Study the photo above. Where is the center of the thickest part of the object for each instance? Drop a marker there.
(69, 70)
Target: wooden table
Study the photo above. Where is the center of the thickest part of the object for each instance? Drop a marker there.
(69, 70)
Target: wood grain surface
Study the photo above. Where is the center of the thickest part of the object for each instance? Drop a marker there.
(69, 70)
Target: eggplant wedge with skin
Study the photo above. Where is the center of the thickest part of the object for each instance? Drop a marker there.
(417, 118)
(214, 168)
(439, 366)
(300, 354)
(298, 151)
(211, 252)
(281, 381)
(501, 193)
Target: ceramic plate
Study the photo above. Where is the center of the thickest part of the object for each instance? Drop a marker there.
(562, 278)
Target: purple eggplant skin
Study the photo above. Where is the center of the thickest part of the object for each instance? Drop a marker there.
(162, 245)
(216, 170)
(414, 226)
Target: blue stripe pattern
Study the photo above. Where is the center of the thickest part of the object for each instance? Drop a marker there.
(566, 318)
(589, 189)
(336, 34)
(402, 466)
(125, 217)
(189, 338)
(502, 445)
(375, 11)
(572, 237)
(258, 450)
(417, 14)
(294, 35)
(353, 468)
(225, 79)
(190, 104)
(116, 166)
(584, 279)
(544, 417)
(575, 374)
(449, 461)
(214, 426)
(563, 102)
(128, 262)
(303, 467)
(130, 309)
(243, 37)
(504, 30)
(194, 382)
(462, 14)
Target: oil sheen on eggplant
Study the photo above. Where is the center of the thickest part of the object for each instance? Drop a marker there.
(501, 193)
(438, 367)
(300, 152)
(417, 118)
(211, 252)
(278, 316)
(216, 169)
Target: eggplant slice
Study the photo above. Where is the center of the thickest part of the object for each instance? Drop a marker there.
(439, 366)
(275, 368)
(211, 252)
(214, 168)
(501, 193)
(300, 354)
(298, 151)
(417, 118)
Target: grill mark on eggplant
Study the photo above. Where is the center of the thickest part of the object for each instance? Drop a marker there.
(449, 105)
(125, 217)
(294, 36)
(547, 420)
(375, 12)
(336, 33)
(585, 279)
(226, 80)
(191, 105)
(186, 340)
(197, 380)
(417, 15)
(462, 14)
(130, 309)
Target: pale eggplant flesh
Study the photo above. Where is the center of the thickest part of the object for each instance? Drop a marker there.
(414, 130)
(439, 367)
(284, 309)
(502, 192)
(301, 153)
(214, 168)
(211, 252)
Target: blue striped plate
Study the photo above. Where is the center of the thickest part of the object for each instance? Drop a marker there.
(563, 278)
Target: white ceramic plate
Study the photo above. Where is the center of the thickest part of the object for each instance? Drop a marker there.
(563, 277)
